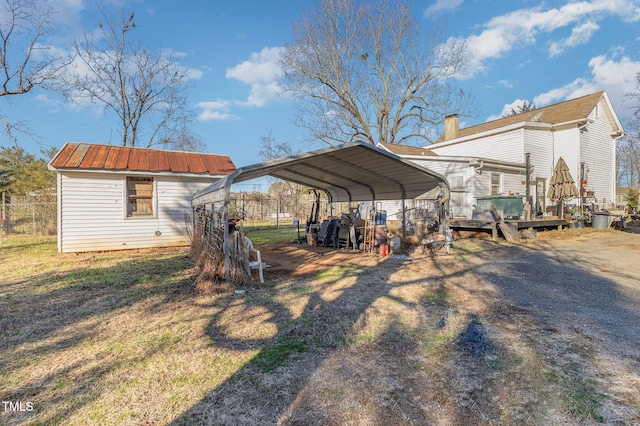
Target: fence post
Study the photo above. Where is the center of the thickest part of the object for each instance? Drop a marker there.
(33, 219)
(278, 213)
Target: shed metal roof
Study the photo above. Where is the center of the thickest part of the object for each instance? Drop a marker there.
(94, 157)
(354, 171)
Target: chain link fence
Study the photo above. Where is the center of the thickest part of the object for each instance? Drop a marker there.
(40, 218)
(28, 218)
(275, 212)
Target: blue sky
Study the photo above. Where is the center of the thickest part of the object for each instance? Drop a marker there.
(545, 52)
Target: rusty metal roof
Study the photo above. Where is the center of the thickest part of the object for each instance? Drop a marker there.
(84, 156)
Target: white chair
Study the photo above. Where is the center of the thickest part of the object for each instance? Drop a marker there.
(255, 264)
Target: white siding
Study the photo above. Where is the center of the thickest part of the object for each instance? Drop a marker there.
(460, 177)
(539, 144)
(597, 150)
(507, 146)
(566, 145)
(93, 217)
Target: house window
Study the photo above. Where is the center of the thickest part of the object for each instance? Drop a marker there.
(496, 183)
(139, 196)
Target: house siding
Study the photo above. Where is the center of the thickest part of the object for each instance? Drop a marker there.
(467, 182)
(538, 143)
(598, 153)
(556, 135)
(461, 200)
(93, 217)
(506, 146)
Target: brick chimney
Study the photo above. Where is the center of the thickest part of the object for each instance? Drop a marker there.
(451, 127)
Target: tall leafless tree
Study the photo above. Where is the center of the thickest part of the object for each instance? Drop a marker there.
(145, 90)
(25, 60)
(271, 149)
(525, 106)
(628, 149)
(628, 157)
(364, 70)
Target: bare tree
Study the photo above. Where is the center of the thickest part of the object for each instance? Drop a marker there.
(628, 157)
(25, 62)
(525, 106)
(272, 150)
(147, 91)
(363, 70)
(628, 148)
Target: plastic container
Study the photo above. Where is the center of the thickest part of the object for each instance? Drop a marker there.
(395, 244)
(384, 250)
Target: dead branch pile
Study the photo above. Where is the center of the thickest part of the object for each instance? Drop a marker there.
(207, 248)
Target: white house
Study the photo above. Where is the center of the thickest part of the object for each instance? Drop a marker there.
(582, 131)
(469, 177)
(114, 197)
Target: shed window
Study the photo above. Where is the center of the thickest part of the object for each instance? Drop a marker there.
(139, 196)
(496, 183)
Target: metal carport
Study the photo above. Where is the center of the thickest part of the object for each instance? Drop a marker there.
(354, 171)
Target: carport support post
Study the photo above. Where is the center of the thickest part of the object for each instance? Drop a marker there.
(528, 185)
(404, 223)
(225, 244)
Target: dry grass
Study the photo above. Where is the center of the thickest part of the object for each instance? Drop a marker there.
(123, 338)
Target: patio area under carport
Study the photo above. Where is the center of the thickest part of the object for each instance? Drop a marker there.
(351, 172)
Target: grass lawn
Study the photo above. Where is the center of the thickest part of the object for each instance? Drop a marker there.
(123, 338)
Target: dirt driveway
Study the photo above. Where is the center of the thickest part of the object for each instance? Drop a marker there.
(590, 285)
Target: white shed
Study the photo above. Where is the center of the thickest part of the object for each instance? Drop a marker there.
(582, 131)
(114, 197)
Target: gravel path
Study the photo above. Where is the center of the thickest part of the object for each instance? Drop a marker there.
(591, 286)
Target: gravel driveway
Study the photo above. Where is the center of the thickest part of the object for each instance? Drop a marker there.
(590, 285)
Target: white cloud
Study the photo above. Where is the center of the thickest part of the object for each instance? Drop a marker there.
(579, 35)
(52, 105)
(520, 28)
(442, 6)
(260, 71)
(613, 72)
(216, 111)
(68, 12)
(194, 74)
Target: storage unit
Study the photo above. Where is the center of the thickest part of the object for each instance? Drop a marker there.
(510, 206)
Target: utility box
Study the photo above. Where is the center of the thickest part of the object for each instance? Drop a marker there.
(510, 205)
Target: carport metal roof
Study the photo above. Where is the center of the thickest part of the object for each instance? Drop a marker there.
(354, 171)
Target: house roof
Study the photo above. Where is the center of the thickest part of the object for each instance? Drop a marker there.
(563, 112)
(406, 150)
(94, 157)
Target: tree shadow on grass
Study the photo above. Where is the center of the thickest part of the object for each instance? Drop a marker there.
(286, 359)
(281, 385)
